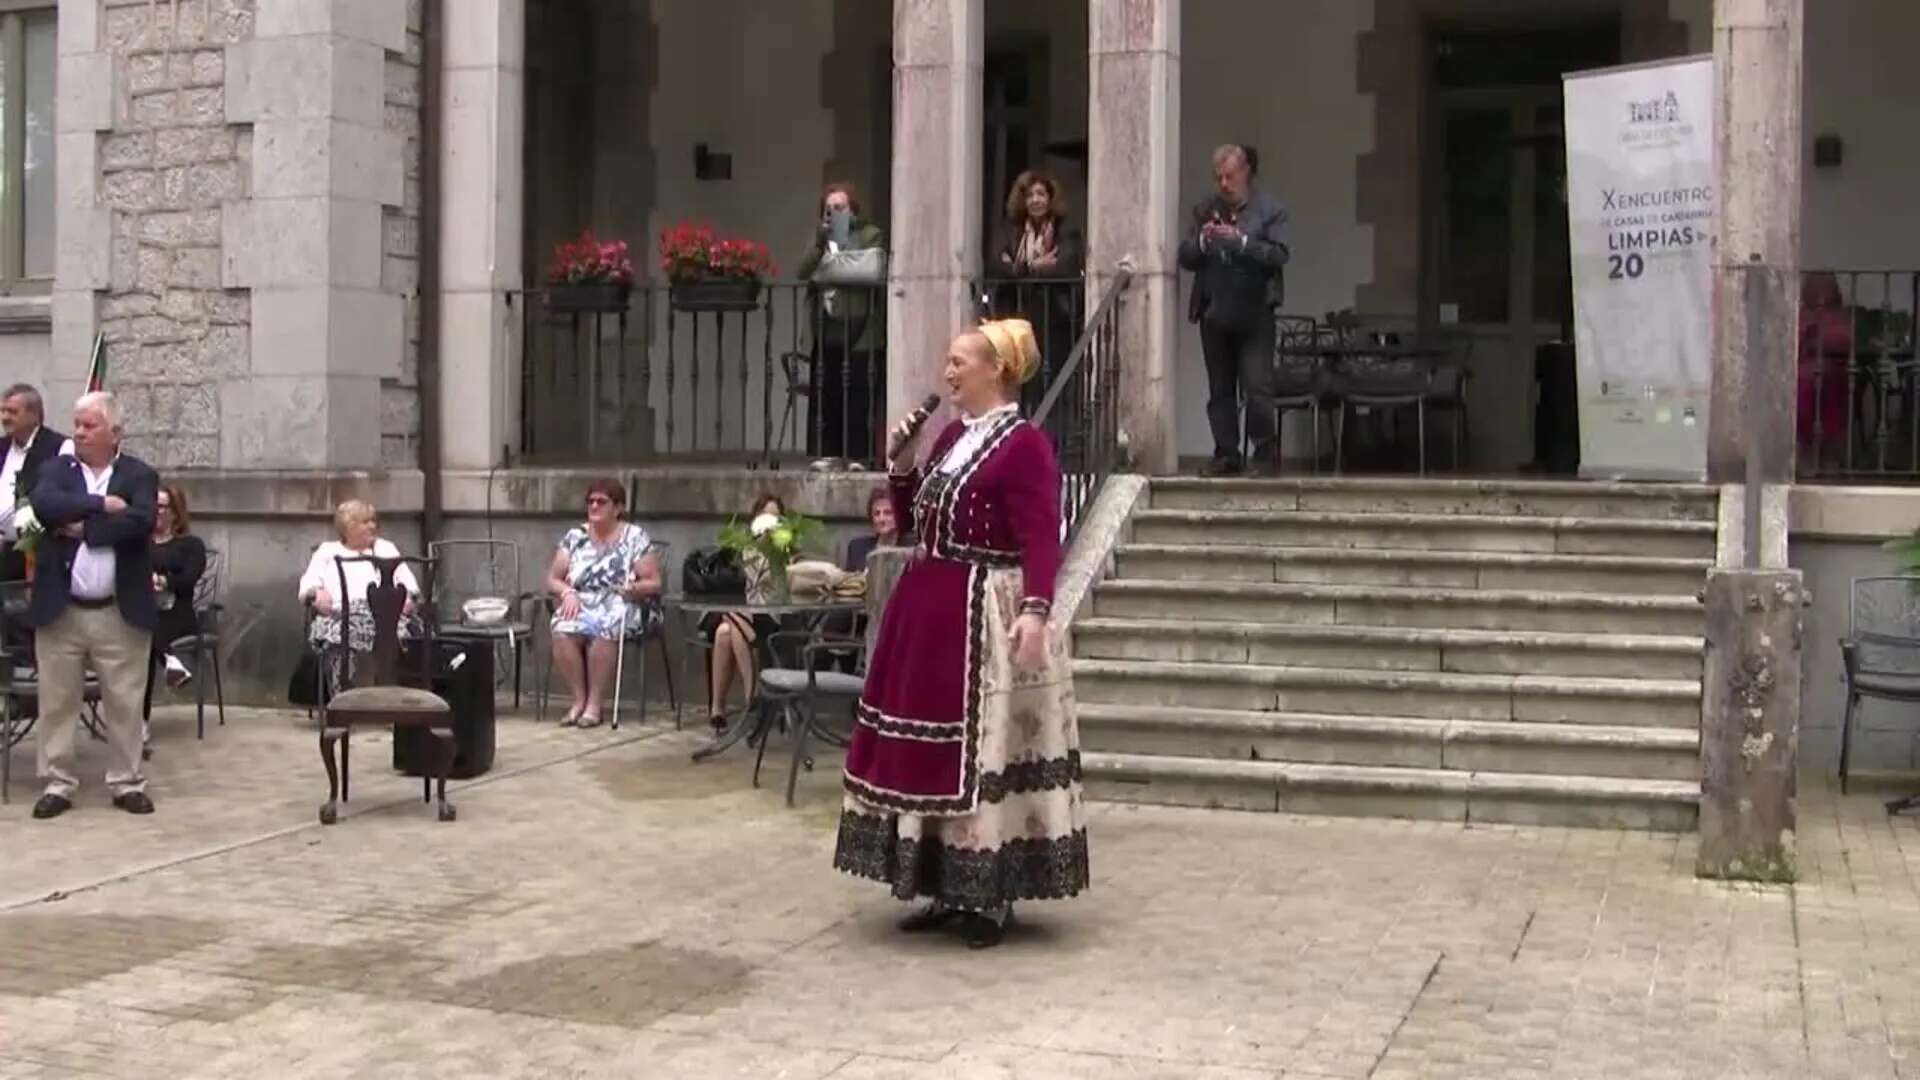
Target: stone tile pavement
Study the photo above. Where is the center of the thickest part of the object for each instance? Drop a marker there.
(603, 907)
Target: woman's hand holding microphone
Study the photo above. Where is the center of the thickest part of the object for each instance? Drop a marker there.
(900, 441)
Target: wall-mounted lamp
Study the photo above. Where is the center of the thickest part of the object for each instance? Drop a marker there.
(708, 165)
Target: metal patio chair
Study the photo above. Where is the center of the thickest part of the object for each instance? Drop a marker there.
(1880, 654)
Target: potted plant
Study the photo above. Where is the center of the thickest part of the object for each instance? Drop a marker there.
(774, 538)
(590, 275)
(709, 272)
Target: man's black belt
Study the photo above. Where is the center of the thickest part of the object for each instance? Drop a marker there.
(92, 602)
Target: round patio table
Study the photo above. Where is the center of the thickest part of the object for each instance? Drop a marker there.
(692, 609)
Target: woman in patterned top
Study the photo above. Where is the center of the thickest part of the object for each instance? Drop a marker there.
(605, 583)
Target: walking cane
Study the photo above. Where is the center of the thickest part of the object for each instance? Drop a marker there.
(619, 665)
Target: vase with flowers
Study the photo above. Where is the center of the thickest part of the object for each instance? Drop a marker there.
(775, 539)
(589, 275)
(710, 272)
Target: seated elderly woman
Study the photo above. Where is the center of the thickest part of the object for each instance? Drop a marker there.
(359, 529)
(606, 583)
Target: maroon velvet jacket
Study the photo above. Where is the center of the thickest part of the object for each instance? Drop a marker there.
(915, 747)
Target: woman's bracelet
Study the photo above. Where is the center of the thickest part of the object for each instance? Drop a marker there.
(1033, 605)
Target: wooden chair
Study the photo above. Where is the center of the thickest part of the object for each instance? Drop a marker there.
(373, 693)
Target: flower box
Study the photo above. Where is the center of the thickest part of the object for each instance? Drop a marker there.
(595, 297)
(716, 294)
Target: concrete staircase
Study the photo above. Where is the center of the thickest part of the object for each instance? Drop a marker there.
(1448, 649)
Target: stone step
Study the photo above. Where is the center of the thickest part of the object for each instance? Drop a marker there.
(1435, 794)
(1336, 739)
(1391, 648)
(1385, 605)
(1437, 569)
(1428, 532)
(1673, 703)
(1665, 502)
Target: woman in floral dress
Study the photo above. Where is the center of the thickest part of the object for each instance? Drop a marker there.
(605, 583)
(963, 777)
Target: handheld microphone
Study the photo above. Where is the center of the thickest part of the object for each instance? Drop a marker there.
(911, 426)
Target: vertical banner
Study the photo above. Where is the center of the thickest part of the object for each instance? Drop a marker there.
(1640, 207)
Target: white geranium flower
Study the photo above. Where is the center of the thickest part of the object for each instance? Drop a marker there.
(763, 525)
(25, 522)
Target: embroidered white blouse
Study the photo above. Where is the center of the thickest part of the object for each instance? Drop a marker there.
(972, 438)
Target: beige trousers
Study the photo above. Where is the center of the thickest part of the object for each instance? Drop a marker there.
(119, 653)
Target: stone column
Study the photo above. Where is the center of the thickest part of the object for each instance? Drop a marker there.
(482, 131)
(1750, 715)
(1133, 132)
(934, 230)
(1750, 725)
(85, 246)
(1757, 124)
(308, 241)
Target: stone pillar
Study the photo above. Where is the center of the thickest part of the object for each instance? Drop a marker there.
(482, 131)
(1757, 124)
(308, 239)
(85, 246)
(1133, 133)
(1750, 725)
(934, 231)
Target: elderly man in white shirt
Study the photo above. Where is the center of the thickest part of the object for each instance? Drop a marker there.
(93, 603)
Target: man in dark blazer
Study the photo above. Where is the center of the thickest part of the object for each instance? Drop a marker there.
(1238, 252)
(93, 603)
(30, 444)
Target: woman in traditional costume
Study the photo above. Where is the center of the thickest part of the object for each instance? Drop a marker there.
(963, 778)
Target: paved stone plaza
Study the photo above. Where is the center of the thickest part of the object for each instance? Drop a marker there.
(605, 908)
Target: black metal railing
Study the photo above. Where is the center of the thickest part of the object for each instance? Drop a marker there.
(1057, 308)
(1858, 388)
(797, 373)
(1079, 406)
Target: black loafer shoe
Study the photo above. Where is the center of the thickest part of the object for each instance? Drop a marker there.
(1222, 466)
(931, 917)
(982, 932)
(134, 802)
(51, 806)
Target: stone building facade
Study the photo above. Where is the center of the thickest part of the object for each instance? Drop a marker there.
(243, 184)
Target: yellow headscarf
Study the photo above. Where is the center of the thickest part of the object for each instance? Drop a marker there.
(1015, 347)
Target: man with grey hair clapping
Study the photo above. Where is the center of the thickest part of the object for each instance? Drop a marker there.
(93, 603)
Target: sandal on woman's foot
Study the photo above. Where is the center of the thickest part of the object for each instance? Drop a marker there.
(572, 718)
(718, 724)
(931, 917)
(591, 718)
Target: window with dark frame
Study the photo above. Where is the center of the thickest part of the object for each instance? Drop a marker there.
(28, 56)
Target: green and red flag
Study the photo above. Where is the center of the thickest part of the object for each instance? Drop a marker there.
(97, 365)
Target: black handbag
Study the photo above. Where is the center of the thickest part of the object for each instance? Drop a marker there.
(305, 687)
(713, 571)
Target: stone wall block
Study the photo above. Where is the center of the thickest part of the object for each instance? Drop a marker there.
(83, 249)
(214, 183)
(78, 28)
(192, 145)
(203, 105)
(85, 92)
(232, 307)
(128, 305)
(129, 150)
(148, 74)
(131, 192)
(184, 305)
(155, 110)
(173, 189)
(196, 268)
(153, 269)
(375, 22)
(155, 330)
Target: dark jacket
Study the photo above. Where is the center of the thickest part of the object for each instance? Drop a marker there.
(46, 444)
(60, 498)
(1237, 286)
(849, 326)
(181, 561)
